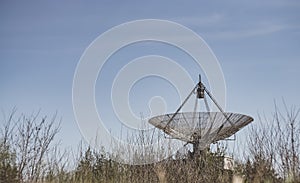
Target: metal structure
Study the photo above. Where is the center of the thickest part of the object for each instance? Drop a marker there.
(200, 128)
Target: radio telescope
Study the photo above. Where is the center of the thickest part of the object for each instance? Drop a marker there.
(200, 128)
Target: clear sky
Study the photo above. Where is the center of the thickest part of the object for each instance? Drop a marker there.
(256, 42)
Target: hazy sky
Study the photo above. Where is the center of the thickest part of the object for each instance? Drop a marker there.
(256, 42)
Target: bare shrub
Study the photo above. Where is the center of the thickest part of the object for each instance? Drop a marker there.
(29, 139)
(274, 147)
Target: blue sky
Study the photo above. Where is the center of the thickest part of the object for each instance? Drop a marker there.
(256, 42)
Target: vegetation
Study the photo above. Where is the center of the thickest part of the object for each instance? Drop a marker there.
(28, 154)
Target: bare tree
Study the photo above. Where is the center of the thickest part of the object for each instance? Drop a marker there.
(30, 139)
(274, 146)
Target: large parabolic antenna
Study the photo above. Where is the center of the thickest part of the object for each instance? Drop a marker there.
(200, 128)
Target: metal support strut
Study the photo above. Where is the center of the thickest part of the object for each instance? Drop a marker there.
(200, 91)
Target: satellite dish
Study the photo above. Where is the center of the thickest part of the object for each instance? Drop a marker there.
(200, 128)
(204, 126)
